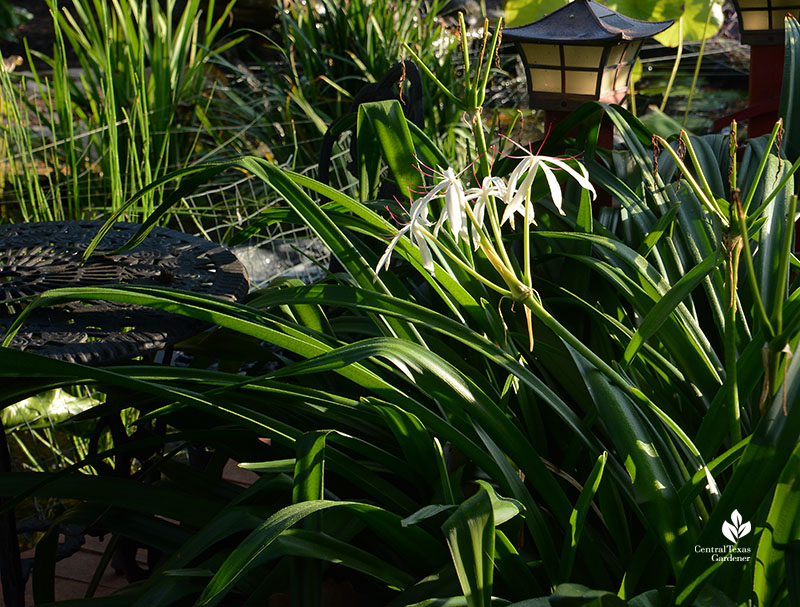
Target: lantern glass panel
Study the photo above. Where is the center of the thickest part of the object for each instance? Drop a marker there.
(778, 19)
(622, 76)
(580, 83)
(755, 20)
(615, 54)
(752, 4)
(788, 3)
(546, 81)
(582, 56)
(608, 83)
(542, 54)
(632, 51)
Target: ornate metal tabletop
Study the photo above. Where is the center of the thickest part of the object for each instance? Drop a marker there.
(35, 257)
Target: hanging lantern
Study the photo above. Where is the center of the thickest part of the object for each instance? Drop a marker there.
(580, 52)
(761, 21)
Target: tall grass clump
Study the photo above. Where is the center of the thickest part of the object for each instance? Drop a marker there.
(82, 141)
(325, 53)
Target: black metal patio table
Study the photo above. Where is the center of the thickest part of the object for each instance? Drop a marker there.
(36, 257)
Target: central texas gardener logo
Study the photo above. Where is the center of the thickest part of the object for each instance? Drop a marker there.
(735, 529)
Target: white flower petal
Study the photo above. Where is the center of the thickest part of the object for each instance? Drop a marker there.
(520, 170)
(439, 224)
(386, 257)
(582, 178)
(515, 194)
(523, 193)
(449, 187)
(419, 208)
(424, 250)
(454, 206)
(498, 187)
(531, 214)
(555, 187)
(508, 215)
(478, 211)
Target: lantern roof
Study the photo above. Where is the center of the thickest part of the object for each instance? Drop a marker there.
(585, 22)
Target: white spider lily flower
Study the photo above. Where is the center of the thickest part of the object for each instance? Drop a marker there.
(490, 186)
(518, 194)
(417, 237)
(418, 219)
(454, 211)
(454, 204)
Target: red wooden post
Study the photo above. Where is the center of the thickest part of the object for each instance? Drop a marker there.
(766, 77)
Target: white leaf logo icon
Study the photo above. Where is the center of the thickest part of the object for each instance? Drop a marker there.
(729, 531)
(735, 530)
(744, 530)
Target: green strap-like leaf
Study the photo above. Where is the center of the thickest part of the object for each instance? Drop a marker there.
(383, 122)
(311, 545)
(770, 448)
(667, 304)
(781, 533)
(470, 536)
(790, 91)
(309, 468)
(123, 493)
(247, 554)
(653, 488)
(578, 516)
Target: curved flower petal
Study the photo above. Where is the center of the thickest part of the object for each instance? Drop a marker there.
(515, 196)
(386, 257)
(555, 187)
(454, 211)
(418, 238)
(490, 186)
(454, 207)
(582, 178)
(478, 211)
(419, 208)
(518, 194)
(524, 193)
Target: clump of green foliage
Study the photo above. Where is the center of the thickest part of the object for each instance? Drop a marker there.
(82, 145)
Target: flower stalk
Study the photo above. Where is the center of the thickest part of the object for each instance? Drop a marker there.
(732, 242)
(702, 193)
